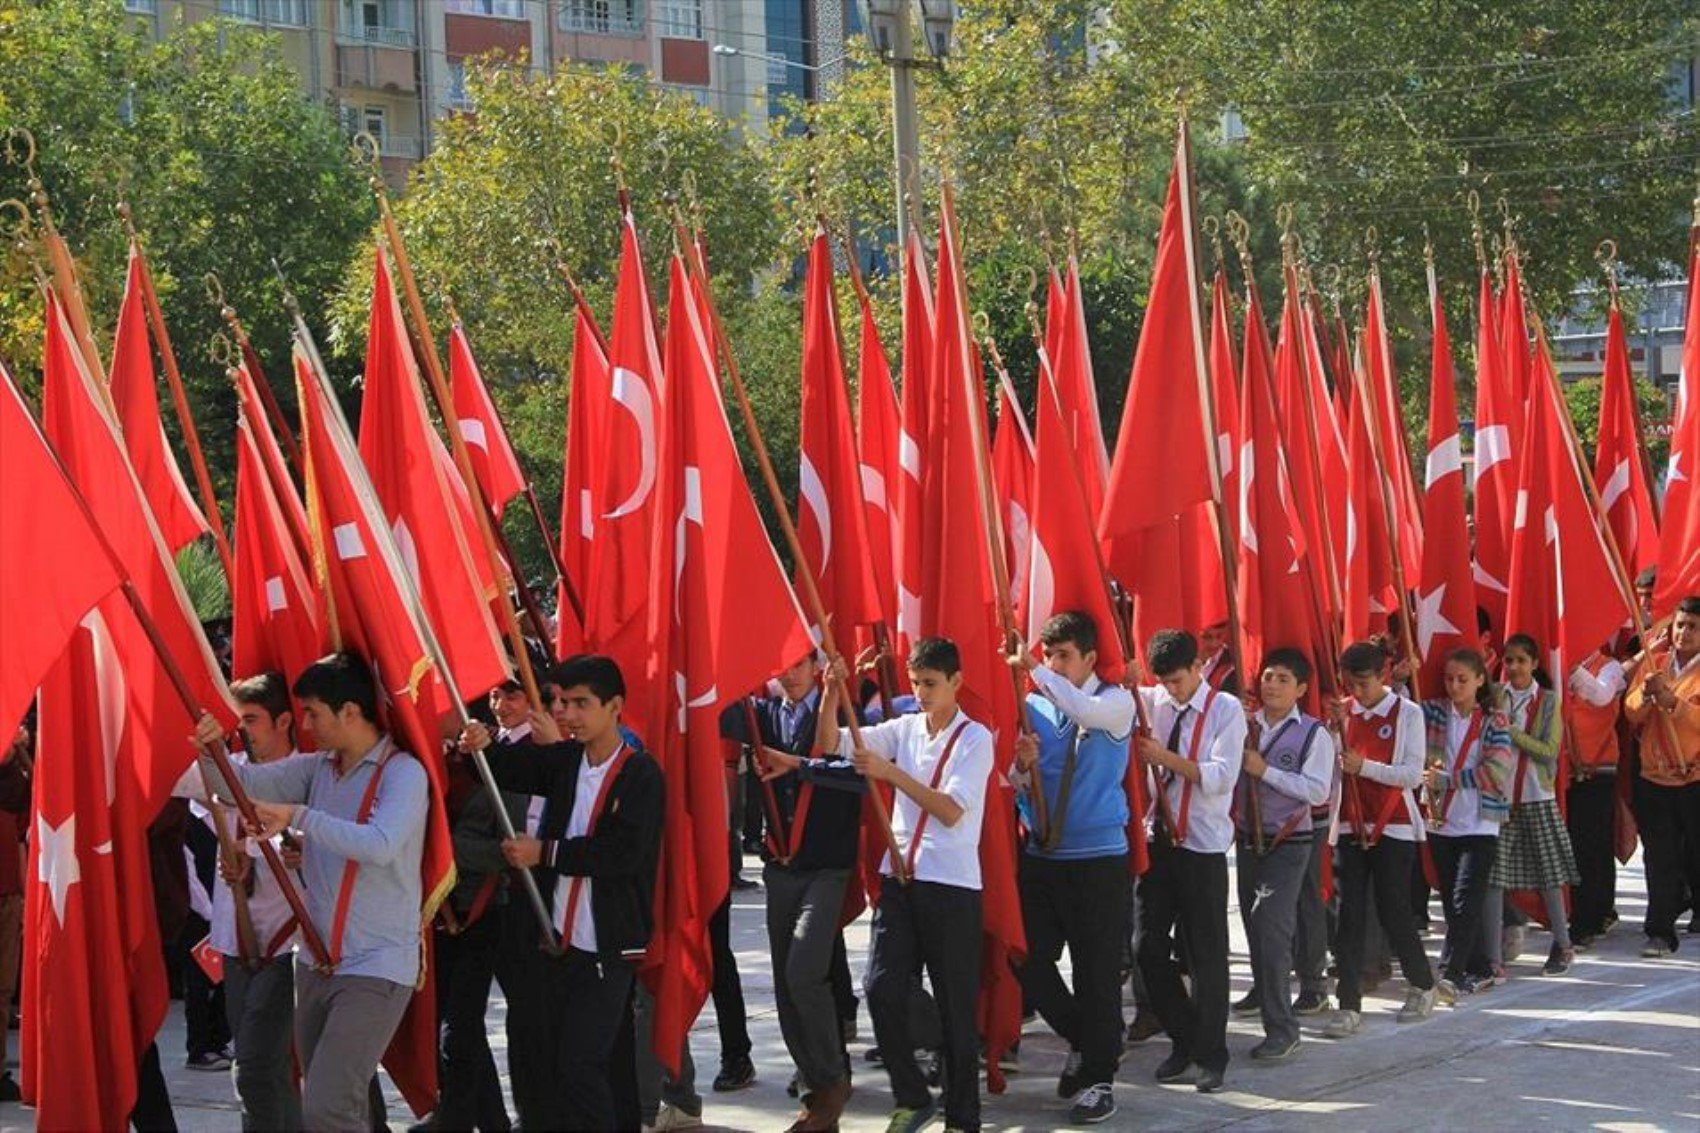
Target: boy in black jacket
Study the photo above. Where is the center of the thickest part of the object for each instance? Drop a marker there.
(595, 859)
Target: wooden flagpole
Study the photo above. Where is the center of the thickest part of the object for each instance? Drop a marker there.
(273, 411)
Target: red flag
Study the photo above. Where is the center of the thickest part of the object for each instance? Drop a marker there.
(1620, 469)
(425, 502)
(1302, 442)
(1565, 590)
(1225, 399)
(1446, 592)
(1370, 592)
(587, 409)
(627, 459)
(94, 973)
(39, 606)
(493, 459)
(135, 400)
(1057, 303)
(1012, 491)
(1276, 610)
(376, 610)
(252, 411)
(734, 622)
(1514, 341)
(916, 432)
(1395, 451)
(1077, 391)
(1679, 533)
(1163, 439)
(960, 602)
(878, 443)
(1066, 572)
(1332, 440)
(75, 419)
(275, 621)
(830, 520)
(1498, 425)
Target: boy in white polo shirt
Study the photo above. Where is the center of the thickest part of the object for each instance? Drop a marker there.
(938, 762)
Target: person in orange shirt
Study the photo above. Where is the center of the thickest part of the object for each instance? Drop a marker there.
(1664, 703)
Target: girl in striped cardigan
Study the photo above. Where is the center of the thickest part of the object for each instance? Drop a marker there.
(1470, 768)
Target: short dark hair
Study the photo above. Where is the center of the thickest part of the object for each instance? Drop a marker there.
(266, 690)
(1364, 659)
(935, 654)
(1647, 579)
(1072, 627)
(1689, 606)
(1290, 659)
(1171, 650)
(508, 685)
(339, 679)
(601, 675)
(1484, 620)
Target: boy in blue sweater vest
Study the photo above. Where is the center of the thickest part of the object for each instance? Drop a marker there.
(1075, 888)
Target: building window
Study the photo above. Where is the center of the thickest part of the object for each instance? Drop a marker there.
(140, 7)
(377, 21)
(248, 10)
(458, 98)
(679, 19)
(374, 121)
(507, 9)
(602, 17)
(290, 13)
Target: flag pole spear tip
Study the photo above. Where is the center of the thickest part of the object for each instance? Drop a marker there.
(1606, 253)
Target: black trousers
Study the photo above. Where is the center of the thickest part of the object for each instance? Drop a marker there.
(843, 990)
(728, 989)
(1185, 895)
(205, 1026)
(1591, 820)
(520, 965)
(469, 1091)
(583, 998)
(152, 1112)
(936, 927)
(1669, 818)
(1462, 866)
(1385, 869)
(1081, 905)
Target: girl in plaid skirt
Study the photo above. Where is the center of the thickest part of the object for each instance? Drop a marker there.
(1534, 846)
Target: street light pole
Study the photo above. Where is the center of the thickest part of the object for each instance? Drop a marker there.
(906, 132)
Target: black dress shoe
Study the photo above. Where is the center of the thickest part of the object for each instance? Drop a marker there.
(1209, 1081)
(1174, 1068)
(737, 1075)
(9, 1091)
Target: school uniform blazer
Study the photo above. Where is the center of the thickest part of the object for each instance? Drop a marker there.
(620, 856)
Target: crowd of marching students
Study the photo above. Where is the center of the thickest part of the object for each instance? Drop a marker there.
(1337, 822)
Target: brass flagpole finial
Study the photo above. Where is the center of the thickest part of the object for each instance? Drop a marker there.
(1428, 248)
(223, 352)
(1606, 254)
(1212, 226)
(1239, 234)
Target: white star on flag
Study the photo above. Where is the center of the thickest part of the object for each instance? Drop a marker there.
(1430, 621)
(56, 861)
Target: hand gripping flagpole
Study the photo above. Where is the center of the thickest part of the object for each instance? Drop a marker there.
(340, 436)
(811, 590)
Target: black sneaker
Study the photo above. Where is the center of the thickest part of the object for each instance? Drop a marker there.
(9, 1091)
(1095, 1103)
(1174, 1068)
(1247, 1004)
(208, 1060)
(1209, 1081)
(738, 1075)
(1310, 1003)
(873, 1057)
(744, 884)
(794, 1087)
(1070, 1083)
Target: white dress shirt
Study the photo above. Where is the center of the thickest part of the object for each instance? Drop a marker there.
(1314, 780)
(1209, 826)
(1405, 772)
(590, 780)
(1106, 708)
(1599, 689)
(949, 855)
(1463, 817)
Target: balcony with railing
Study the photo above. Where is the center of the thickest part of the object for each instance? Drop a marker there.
(602, 17)
(375, 62)
(376, 35)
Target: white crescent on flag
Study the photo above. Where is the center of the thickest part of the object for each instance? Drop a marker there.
(631, 393)
(1493, 444)
(809, 486)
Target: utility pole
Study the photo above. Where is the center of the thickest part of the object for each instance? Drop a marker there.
(892, 30)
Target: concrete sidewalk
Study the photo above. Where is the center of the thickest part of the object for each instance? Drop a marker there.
(1613, 1045)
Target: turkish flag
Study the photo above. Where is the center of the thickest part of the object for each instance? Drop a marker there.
(251, 410)
(1012, 492)
(1679, 533)
(1499, 424)
(40, 605)
(493, 460)
(425, 502)
(135, 398)
(587, 410)
(1057, 304)
(276, 621)
(629, 528)
(878, 444)
(831, 524)
(1395, 451)
(75, 419)
(1066, 572)
(734, 621)
(1620, 457)
(1332, 440)
(960, 602)
(376, 611)
(94, 973)
(1514, 341)
(1077, 392)
(1446, 590)
(1276, 608)
(1225, 406)
(1162, 463)
(1302, 440)
(915, 433)
(1369, 593)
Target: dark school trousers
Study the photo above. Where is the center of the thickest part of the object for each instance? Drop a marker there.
(1083, 905)
(1185, 895)
(1462, 866)
(1591, 821)
(1269, 886)
(1385, 870)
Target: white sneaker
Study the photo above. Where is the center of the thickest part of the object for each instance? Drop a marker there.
(1419, 1004)
(1511, 943)
(672, 1117)
(1344, 1025)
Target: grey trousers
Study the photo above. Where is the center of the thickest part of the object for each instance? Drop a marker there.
(1269, 888)
(1310, 942)
(802, 926)
(259, 1006)
(653, 1084)
(342, 1026)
